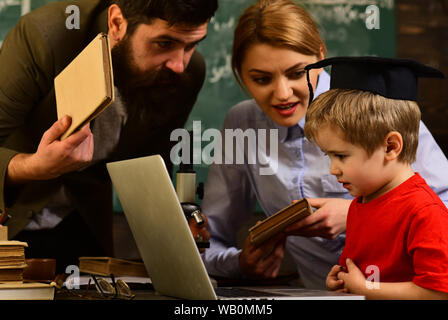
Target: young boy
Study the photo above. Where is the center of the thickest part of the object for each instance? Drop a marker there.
(397, 227)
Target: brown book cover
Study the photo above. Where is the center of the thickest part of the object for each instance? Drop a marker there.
(105, 266)
(278, 221)
(85, 88)
(11, 274)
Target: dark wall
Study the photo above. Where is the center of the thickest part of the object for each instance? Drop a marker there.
(422, 34)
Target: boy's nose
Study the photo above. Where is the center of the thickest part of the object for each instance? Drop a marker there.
(334, 170)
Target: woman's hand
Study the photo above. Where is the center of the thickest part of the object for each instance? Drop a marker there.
(265, 260)
(200, 232)
(328, 221)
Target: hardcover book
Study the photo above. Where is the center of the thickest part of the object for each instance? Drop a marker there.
(274, 224)
(26, 291)
(12, 261)
(85, 88)
(105, 266)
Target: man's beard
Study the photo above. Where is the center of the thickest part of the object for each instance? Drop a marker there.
(147, 92)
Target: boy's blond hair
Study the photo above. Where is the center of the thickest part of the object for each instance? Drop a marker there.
(365, 119)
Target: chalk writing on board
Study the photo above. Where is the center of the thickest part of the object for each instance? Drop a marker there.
(8, 3)
(388, 4)
(344, 12)
(340, 14)
(219, 26)
(25, 7)
(24, 4)
(220, 72)
(219, 59)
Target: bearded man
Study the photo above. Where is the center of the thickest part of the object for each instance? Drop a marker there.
(58, 193)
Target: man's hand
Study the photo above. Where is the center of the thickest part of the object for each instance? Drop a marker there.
(200, 232)
(264, 260)
(328, 221)
(53, 157)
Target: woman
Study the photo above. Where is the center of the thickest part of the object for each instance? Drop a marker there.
(274, 41)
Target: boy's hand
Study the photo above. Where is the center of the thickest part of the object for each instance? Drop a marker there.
(354, 279)
(333, 283)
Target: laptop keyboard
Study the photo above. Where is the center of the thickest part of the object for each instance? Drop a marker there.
(242, 292)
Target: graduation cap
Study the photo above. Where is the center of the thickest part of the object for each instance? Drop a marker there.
(389, 77)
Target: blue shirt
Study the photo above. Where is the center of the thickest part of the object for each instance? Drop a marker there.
(301, 171)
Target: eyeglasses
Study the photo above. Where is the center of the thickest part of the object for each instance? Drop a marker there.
(118, 289)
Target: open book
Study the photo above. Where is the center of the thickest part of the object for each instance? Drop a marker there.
(274, 224)
(85, 88)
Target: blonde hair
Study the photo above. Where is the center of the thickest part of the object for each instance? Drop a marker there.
(280, 23)
(365, 119)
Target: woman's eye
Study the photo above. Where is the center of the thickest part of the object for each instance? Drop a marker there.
(340, 156)
(262, 80)
(297, 74)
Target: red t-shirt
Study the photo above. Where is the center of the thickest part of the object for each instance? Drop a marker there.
(404, 233)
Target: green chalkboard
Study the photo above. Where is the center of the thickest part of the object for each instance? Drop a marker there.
(342, 25)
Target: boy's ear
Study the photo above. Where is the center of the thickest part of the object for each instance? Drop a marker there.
(117, 24)
(393, 145)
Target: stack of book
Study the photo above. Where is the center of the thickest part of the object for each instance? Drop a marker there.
(12, 286)
(12, 261)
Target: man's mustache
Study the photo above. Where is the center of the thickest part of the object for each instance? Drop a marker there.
(162, 77)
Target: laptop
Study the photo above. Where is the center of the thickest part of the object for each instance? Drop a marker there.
(166, 244)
